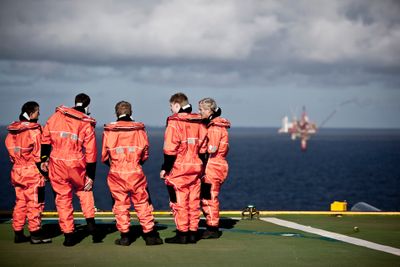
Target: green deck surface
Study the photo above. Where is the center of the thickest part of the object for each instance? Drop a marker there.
(243, 243)
(384, 230)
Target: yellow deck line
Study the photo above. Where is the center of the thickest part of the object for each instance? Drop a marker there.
(330, 212)
(236, 213)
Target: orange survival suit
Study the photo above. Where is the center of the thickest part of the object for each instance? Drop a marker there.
(183, 138)
(23, 145)
(216, 169)
(72, 137)
(125, 147)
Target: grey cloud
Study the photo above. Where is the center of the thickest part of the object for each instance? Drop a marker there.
(370, 12)
(203, 43)
(85, 33)
(103, 33)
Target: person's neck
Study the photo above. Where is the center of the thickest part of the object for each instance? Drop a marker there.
(124, 117)
(26, 118)
(185, 109)
(80, 109)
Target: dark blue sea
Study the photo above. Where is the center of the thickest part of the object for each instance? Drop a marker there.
(271, 172)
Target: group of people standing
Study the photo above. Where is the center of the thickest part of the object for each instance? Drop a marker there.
(194, 168)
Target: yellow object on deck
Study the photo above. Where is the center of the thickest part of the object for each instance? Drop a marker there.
(339, 206)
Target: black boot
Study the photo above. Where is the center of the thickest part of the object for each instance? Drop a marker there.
(192, 237)
(152, 238)
(93, 230)
(125, 240)
(38, 237)
(19, 237)
(91, 225)
(179, 238)
(70, 240)
(211, 232)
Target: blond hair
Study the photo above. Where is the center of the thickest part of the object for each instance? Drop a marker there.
(123, 107)
(209, 103)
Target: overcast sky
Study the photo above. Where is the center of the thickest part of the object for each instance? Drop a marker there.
(260, 60)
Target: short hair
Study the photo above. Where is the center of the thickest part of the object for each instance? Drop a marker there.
(29, 107)
(123, 107)
(209, 103)
(83, 99)
(179, 98)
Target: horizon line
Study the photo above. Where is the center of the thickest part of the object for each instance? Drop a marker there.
(276, 127)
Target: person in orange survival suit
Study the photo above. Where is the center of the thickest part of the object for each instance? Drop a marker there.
(23, 145)
(216, 168)
(70, 135)
(125, 149)
(182, 167)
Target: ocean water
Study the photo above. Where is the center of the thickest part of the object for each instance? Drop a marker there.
(271, 172)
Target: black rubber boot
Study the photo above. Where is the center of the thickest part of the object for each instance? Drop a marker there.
(91, 225)
(70, 240)
(179, 238)
(211, 232)
(93, 230)
(125, 240)
(19, 237)
(38, 237)
(152, 238)
(192, 237)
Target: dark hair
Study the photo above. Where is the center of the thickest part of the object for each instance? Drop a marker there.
(29, 107)
(82, 98)
(123, 107)
(179, 98)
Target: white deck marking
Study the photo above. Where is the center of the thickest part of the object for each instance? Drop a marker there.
(344, 238)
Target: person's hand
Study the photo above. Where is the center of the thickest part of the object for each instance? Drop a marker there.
(44, 166)
(88, 184)
(162, 174)
(44, 170)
